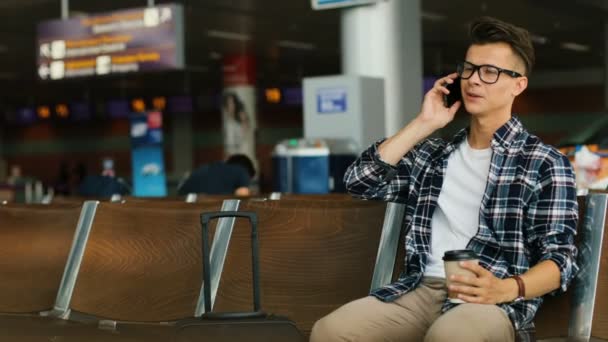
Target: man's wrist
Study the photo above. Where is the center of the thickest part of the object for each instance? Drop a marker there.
(392, 150)
(511, 290)
(422, 129)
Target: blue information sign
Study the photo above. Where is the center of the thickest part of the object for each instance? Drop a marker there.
(331, 100)
(149, 179)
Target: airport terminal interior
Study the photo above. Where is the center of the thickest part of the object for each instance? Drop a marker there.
(163, 163)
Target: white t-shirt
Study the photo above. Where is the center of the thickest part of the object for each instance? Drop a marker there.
(456, 217)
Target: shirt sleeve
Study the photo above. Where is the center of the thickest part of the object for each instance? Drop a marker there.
(369, 177)
(552, 219)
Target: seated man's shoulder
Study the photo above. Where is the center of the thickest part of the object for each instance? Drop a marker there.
(208, 170)
(201, 170)
(231, 172)
(534, 148)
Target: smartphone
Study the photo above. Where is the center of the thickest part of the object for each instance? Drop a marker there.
(455, 93)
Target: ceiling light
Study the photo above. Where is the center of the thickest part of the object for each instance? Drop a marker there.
(539, 39)
(575, 47)
(292, 44)
(228, 35)
(431, 16)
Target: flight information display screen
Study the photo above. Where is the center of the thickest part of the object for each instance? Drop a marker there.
(131, 40)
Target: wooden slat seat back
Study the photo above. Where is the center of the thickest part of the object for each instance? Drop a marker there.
(312, 197)
(142, 262)
(35, 241)
(200, 198)
(314, 257)
(73, 199)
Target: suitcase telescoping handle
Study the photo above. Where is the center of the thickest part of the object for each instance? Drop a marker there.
(253, 220)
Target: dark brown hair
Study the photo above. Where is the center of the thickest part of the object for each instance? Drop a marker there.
(486, 30)
(243, 161)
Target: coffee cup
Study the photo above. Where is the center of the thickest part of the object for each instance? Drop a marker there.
(451, 262)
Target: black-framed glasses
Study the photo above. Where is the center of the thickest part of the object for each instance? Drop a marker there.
(487, 73)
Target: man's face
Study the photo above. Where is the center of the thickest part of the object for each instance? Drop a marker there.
(482, 98)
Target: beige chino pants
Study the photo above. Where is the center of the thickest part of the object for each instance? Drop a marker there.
(415, 316)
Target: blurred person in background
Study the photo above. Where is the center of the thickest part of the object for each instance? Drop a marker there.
(15, 177)
(230, 177)
(104, 185)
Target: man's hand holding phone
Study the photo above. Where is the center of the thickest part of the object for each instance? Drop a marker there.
(435, 114)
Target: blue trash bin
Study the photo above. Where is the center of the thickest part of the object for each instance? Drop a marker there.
(342, 153)
(301, 167)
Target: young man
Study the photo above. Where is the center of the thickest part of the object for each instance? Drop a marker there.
(494, 189)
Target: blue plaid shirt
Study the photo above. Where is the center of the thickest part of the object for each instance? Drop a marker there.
(528, 212)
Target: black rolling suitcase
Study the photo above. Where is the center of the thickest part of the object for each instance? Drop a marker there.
(236, 326)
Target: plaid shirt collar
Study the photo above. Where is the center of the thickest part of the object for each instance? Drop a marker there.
(507, 133)
(503, 138)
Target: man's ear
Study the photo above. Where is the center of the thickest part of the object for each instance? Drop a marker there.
(520, 85)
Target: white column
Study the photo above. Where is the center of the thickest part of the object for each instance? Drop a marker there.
(385, 40)
(65, 9)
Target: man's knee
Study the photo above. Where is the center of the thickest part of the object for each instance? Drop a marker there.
(324, 330)
(464, 333)
(471, 322)
(444, 332)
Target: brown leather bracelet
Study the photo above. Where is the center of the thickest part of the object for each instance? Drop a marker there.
(522, 287)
